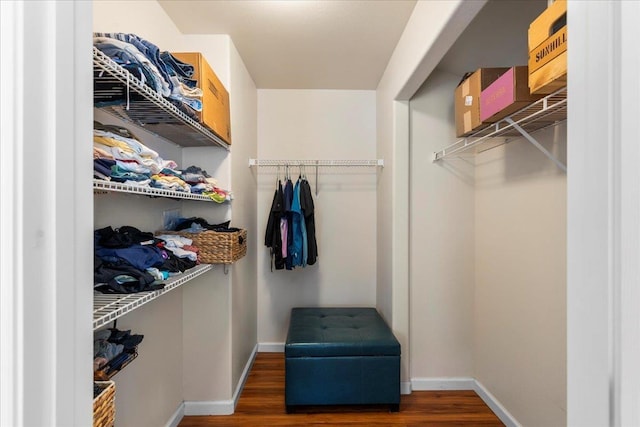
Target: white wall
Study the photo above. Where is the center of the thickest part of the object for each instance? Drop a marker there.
(431, 30)
(154, 379)
(319, 124)
(442, 241)
(520, 295)
(244, 114)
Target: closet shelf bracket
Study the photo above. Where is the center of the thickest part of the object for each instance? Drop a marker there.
(536, 144)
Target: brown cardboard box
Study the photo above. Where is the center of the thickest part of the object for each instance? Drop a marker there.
(215, 112)
(548, 49)
(506, 95)
(467, 99)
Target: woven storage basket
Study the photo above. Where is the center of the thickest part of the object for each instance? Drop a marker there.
(216, 247)
(104, 406)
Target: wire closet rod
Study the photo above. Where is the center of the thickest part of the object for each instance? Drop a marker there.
(317, 164)
(321, 163)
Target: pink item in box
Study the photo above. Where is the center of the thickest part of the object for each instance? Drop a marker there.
(499, 95)
(506, 95)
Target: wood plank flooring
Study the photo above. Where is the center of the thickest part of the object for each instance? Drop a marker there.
(262, 404)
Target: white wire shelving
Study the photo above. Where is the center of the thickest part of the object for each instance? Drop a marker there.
(548, 111)
(144, 107)
(317, 163)
(100, 185)
(109, 307)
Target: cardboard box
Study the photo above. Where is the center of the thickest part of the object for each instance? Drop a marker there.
(548, 49)
(467, 99)
(215, 112)
(508, 94)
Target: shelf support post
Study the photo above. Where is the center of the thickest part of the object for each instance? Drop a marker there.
(533, 141)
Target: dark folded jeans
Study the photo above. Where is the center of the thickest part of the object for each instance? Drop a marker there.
(180, 69)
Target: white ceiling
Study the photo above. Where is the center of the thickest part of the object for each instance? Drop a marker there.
(302, 44)
(498, 28)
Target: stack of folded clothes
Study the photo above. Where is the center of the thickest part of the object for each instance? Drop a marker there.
(128, 260)
(119, 156)
(160, 70)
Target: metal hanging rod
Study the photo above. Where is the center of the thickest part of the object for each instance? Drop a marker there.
(319, 163)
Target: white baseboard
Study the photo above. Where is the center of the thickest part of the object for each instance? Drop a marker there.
(442, 383)
(466, 383)
(244, 376)
(493, 403)
(405, 387)
(271, 347)
(213, 407)
(176, 417)
(222, 407)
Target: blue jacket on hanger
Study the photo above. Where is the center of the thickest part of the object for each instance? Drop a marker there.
(298, 246)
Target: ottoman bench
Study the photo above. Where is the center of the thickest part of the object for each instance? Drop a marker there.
(341, 356)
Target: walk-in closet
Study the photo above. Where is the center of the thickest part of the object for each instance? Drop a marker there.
(503, 259)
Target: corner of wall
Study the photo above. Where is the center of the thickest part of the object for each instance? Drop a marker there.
(243, 104)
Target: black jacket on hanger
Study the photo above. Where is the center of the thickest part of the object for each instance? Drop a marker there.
(272, 238)
(306, 203)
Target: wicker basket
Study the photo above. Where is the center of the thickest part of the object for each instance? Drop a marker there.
(104, 406)
(216, 247)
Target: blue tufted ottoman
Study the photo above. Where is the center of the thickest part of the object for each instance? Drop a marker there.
(341, 356)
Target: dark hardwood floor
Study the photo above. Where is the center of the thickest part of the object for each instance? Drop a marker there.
(262, 404)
